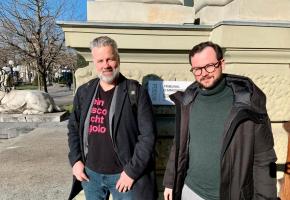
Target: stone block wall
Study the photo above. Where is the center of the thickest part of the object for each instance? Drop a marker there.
(215, 11)
(151, 12)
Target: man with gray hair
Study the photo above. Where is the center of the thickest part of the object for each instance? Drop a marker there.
(112, 133)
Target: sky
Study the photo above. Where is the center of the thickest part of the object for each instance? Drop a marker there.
(76, 10)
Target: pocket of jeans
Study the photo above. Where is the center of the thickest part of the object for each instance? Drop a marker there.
(84, 183)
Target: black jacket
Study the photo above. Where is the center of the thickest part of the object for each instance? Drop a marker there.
(247, 148)
(133, 136)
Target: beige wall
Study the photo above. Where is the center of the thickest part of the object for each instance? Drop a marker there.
(250, 49)
(158, 12)
(214, 11)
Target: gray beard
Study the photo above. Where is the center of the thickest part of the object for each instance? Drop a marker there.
(111, 79)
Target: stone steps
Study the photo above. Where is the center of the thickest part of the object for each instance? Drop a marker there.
(12, 125)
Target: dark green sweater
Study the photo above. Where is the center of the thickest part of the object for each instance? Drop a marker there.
(206, 125)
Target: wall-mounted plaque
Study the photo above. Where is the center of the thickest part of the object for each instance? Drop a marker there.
(159, 91)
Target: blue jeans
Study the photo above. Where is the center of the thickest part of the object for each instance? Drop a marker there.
(101, 185)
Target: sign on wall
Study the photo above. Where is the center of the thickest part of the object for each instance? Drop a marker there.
(159, 91)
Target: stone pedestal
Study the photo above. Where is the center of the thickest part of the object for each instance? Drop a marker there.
(46, 117)
(137, 12)
(7, 133)
(12, 125)
(214, 11)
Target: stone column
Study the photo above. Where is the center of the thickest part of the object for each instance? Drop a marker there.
(142, 11)
(214, 11)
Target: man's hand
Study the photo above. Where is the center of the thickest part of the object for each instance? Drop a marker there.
(78, 171)
(124, 183)
(167, 194)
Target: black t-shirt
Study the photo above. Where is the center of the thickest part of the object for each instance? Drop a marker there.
(101, 156)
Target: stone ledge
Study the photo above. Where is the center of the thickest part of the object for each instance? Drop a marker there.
(7, 133)
(46, 117)
(14, 129)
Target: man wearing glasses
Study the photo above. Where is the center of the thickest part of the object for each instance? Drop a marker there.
(223, 145)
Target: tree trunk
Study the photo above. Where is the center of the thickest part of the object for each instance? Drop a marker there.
(44, 83)
(74, 81)
(39, 80)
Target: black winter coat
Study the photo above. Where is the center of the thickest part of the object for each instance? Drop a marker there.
(133, 136)
(247, 148)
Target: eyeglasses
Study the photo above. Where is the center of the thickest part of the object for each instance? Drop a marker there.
(197, 71)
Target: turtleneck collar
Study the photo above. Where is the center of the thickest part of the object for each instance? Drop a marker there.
(215, 90)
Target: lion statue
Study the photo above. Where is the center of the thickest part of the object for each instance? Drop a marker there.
(27, 102)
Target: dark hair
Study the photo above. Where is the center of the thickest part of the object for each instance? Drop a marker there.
(201, 46)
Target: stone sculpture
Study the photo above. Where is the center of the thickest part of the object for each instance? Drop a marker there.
(6, 81)
(2, 79)
(27, 102)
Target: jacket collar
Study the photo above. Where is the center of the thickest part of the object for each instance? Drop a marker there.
(90, 88)
(121, 94)
(247, 94)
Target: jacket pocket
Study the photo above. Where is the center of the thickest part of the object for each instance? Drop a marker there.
(247, 191)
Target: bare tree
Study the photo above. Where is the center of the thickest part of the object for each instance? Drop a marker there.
(5, 56)
(72, 60)
(28, 28)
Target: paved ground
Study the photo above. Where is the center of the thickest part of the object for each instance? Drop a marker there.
(34, 165)
(61, 94)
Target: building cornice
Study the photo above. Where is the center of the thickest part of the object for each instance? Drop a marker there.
(81, 24)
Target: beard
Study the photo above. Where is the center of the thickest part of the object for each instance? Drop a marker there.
(112, 78)
(212, 85)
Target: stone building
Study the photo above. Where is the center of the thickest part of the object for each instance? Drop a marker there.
(154, 37)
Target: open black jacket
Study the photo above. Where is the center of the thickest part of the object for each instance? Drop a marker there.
(133, 136)
(247, 148)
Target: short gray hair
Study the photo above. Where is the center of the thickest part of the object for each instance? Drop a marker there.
(103, 41)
